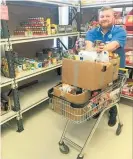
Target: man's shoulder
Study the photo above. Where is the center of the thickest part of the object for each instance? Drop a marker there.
(94, 30)
(118, 29)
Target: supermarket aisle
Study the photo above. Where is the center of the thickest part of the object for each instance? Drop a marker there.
(43, 129)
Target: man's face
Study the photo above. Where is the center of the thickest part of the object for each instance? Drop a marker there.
(106, 19)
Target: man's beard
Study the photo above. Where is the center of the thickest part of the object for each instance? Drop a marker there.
(106, 26)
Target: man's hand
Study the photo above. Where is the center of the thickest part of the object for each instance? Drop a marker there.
(100, 48)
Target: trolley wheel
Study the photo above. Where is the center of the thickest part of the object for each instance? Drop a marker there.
(79, 157)
(63, 148)
(119, 129)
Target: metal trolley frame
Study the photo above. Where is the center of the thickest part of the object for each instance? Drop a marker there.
(87, 111)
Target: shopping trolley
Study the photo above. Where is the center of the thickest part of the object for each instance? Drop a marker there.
(100, 103)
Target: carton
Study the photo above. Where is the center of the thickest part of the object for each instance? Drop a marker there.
(76, 99)
(89, 75)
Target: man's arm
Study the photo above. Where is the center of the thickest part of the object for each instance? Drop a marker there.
(89, 45)
(112, 46)
(118, 40)
(90, 38)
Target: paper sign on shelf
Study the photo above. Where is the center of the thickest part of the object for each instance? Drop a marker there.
(4, 12)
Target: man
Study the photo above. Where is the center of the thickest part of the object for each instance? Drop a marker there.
(113, 40)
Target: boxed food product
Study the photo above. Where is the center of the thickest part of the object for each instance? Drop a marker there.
(128, 89)
(89, 75)
(68, 28)
(129, 57)
(73, 98)
(61, 28)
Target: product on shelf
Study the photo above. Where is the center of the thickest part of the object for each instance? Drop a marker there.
(61, 28)
(129, 21)
(128, 89)
(45, 58)
(25, 64)
(129, 58)
(80, 44)
(118, 18)
(68, 28)
(34, 26)
(39, 26)
(83, 28)
(5, 103)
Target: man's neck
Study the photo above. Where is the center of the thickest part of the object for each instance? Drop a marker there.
(105, 30)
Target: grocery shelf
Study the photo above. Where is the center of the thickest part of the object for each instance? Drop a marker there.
(113, 4)
(18, 39)
(3, 41)
(129, 66)
(28, 74)
(5, 81)
(41, 2)
(128, 35)
(126, 96)
(7, 116)
(36, 94)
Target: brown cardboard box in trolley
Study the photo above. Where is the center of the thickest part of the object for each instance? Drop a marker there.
(66, 109)
(89, 75)
(76, 99)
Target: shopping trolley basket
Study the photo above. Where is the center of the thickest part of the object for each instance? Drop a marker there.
(103, 101)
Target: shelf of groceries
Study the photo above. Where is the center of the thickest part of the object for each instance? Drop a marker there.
(101, 3)
(23, 75)
(45, 2)
(25, 39)
(127, 91)
(128, 35)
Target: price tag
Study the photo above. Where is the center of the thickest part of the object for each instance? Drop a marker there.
(4, 12)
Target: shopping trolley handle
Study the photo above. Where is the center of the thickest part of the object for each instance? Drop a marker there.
(124, 70)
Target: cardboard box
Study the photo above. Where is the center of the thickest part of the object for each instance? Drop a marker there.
(76, 99)
(89, 75)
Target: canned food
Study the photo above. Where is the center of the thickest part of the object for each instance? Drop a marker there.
(98, 42)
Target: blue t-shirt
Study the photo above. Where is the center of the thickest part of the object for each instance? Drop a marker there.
(115, 33)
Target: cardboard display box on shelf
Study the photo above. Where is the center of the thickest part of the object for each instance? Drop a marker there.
(89, 75)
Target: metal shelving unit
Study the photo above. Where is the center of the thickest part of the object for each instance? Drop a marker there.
(24, 39)
(17, 40)
(7, 116)
(39, 3)
(28, 74)
(36, 94)
(5, 81)
(126, 97)
(113, 4)
(22, 100)
(128, 35)
(129, 66)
